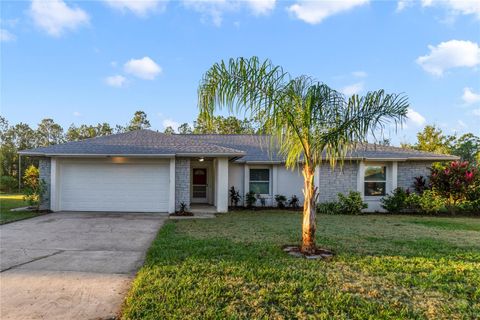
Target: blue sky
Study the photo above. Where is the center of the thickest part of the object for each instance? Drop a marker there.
(100, 61)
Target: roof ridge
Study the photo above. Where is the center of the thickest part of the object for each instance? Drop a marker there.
(224, 134)
(210, 144)
(398, 148)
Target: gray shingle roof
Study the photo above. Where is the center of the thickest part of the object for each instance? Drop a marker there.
(259, 148)
(140, 142)
(249, 148)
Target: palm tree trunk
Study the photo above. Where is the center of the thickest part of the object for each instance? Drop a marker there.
(309, 222)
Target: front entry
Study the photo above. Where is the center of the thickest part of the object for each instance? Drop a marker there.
(199, 185)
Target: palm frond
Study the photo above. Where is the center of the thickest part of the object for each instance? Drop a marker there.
(308, 120)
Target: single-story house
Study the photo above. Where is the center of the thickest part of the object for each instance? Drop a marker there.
(148, 171)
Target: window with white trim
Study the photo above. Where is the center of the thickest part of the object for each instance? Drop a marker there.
(260, 181)
(375, 181)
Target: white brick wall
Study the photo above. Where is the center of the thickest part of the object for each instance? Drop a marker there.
(182, 182)
(408, 170)
(340, 180)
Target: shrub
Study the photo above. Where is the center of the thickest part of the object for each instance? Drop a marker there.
(469, 206)
(294, 202)
(262, 200)
(250, 199)
(34, 187)
(329, 207)
(351, 203)
(8, 183)
(280, 200)
(419, 184)
(183, 207)
(412, 202)
(457, 182)
(396, 201)
(431, 202)
(234, 196)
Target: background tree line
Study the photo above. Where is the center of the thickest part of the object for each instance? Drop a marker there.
(21, 136)
(432, 139)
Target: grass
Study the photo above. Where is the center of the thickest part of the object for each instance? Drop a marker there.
(447, 224)
(387, 267)
(10, 201)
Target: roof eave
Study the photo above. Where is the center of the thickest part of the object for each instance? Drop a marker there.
(213, 154)
(446, 158)
(95, 155)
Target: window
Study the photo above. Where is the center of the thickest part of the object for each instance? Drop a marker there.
(260, 181)
(375, 181)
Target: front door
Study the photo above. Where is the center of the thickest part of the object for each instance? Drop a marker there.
(199, 185)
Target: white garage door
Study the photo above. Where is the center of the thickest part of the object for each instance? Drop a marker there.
(103, 186)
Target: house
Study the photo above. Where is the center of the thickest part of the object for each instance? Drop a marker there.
(148, 171)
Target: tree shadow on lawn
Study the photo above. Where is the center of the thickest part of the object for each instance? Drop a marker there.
(190, 277)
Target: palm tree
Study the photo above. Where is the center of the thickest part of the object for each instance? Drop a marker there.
(309, 121)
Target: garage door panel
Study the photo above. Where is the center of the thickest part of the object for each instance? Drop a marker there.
(92, 186)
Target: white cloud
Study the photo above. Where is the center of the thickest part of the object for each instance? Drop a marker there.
(6, 36)
(452, 7)
(170, 123)
(144, 68)
(138, 7)
(415, 117)
(469, 96)
(77, 114)
(214, 10)
(211, 9)
(352, 89)
(314, 12)
(476, 112)
(450, 54)
(54, 16)
(360, 74)
(116, 81)
(456, 7)
(402, 4)
(261, 6)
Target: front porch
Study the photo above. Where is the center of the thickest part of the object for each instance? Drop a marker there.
(196, 209)
(201, 183)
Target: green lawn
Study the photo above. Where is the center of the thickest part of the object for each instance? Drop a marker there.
(388, 267)
(10, 201)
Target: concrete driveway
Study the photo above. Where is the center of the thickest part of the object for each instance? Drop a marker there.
(71, 265)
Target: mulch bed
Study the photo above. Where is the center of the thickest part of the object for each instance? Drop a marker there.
(299, 209)
(320, 253)
(181, 214)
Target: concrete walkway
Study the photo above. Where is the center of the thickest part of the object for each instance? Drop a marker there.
(71, 265)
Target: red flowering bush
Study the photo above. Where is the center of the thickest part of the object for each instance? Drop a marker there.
(457, 182)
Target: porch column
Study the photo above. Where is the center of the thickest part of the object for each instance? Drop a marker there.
(361, 178)
(221, 184)
(171, 198)
(394, 175)
(274, 182)
(246, 183)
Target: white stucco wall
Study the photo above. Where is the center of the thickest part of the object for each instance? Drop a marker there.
(236, 178)
(290, 182)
